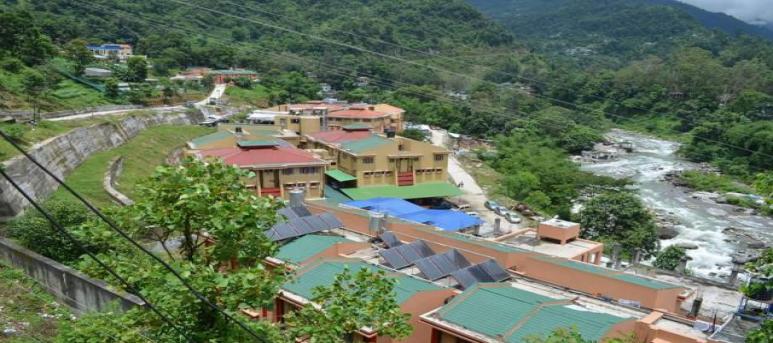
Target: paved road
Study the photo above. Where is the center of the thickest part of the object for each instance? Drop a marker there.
(217, 93)
(116, 112)
(474, 194)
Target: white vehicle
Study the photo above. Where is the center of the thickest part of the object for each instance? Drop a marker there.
(512, 217)
(472, 214)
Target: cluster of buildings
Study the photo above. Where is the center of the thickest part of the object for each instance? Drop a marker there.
(332, 150)
(111, 51)
(462, 288)
(360, 197)
(219, 76)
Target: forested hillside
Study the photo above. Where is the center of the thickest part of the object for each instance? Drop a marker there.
(614, 31)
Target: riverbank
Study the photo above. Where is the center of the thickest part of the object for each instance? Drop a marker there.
(717, 232)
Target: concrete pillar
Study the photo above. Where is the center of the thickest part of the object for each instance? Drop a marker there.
(682, 267)
(616, 255)
(734, 273)
(497, 226)
(598, 257)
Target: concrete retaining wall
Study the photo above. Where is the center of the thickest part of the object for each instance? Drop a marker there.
(113, 171)
(26, 115)
(64, 153)
(68, 286)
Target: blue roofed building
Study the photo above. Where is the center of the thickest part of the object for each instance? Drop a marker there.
(444, 219)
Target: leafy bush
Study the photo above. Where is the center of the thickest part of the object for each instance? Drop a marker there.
(14, 131)
(669, 258)
(35, 232)
(11, 64)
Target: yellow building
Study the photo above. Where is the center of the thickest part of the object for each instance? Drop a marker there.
(314, 116)
(367, 165)
(278, 167)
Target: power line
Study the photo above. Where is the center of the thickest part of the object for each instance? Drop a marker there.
(403, 60)
(61, 230)
(123, 234)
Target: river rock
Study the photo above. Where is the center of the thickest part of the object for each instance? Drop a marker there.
(688, 246)
(667, 232)
(756, 245)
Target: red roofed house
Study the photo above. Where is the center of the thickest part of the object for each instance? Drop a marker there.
(313, 116)
(278, 167)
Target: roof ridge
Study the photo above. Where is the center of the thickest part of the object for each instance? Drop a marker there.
(528, 316)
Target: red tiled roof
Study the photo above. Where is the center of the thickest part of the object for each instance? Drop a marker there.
(357, 113)
(278, 155)
(340, 136)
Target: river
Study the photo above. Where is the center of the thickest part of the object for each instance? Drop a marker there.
(699, 221)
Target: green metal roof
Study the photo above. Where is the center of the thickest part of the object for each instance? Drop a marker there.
(500, 310)
(257, 143)
(363, 145)
(306, 247)
(356, 126)
(418, 191)
(210, 138)
(324, 273)
(333, 196)
(340, 176)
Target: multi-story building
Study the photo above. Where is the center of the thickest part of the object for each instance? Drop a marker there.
(278, 167)
(370, 165)
(228, 135)
(120, 52)
(316, 116)
(227, 75)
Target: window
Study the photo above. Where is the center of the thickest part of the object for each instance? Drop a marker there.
(439, 157)
(295, 120)
(314, 185)
(400, 147)
(288, 171)
(367, 160)
(309, 170)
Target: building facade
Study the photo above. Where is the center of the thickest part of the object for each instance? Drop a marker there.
(120, 52)
(379, 118)
(278, 166)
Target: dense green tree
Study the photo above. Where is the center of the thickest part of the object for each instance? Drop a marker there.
(111, 88)
(763, 334)
(221, 225)
(669, 258)
(34, 85)
(77, 52)
(33, 231)
(21, 38)
(137, 69)
(619, 217)
(369, 294)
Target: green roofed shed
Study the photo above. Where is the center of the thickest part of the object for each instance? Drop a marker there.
(418, 191)
(340, 176)
(306, 247)
(324, 273)
(500, 310)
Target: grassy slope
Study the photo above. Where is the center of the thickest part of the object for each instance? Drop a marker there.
(257, 96)
(142, 154)
(24, 301)
(67, 94)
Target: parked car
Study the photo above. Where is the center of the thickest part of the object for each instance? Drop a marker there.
(512, 217)
(473, 214)
(492, 205)
(501, 210)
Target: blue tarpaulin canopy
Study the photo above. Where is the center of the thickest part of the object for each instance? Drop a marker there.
(444, 219)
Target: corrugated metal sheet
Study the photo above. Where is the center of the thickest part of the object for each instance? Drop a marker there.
(306, 247)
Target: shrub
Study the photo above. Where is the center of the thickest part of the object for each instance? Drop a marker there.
(14, 131)
(33, 231)
(11, 64)
(669, 258)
